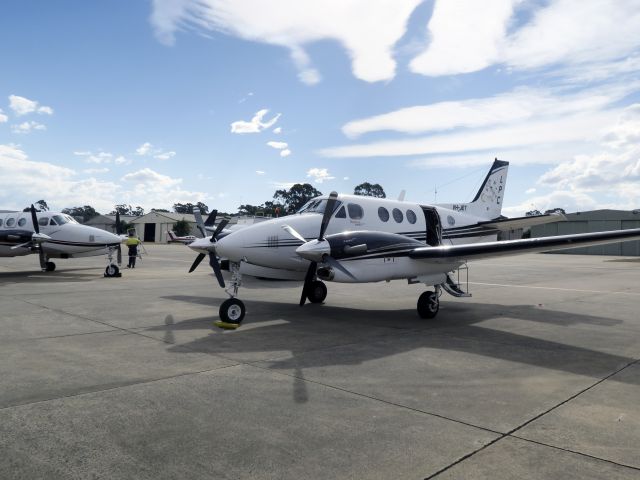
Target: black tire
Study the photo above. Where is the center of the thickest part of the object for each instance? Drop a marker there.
(111, 271)
(317, 292)
(232, 311)
(428, 305)
(49, 266)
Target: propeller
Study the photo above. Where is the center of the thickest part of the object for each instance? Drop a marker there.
(213, 259)
(313, 266)
(37, 238)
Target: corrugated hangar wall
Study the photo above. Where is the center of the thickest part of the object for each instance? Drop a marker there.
(595, 221)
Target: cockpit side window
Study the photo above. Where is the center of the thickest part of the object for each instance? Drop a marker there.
(70, 219)
(43, 221)
(60, 220)
(342, 213)
(52, 222)
(355, 211)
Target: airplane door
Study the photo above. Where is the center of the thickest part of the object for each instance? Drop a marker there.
(434, 227)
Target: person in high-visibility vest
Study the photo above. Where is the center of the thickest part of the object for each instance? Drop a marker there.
(132, 242)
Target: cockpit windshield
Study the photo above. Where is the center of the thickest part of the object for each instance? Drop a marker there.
(62, 219)
(317, 205)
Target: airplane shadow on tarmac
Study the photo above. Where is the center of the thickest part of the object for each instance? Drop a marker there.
(313, 334)
(59, 276)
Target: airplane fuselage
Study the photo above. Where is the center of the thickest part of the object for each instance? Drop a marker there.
(266, 249)
(68, 238)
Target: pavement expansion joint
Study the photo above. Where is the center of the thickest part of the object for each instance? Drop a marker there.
(511, 432)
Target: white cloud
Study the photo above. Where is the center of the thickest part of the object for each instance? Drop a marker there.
(606, 178)
(101, 157)
(518, 105)
(570, 128)
(120, 160)
(278, 145)
(147, 149)
(23, 106)
(531, 190)
(144, 149)
(285, 153)
(260, 172)
(27, 127)
(367, 30)
(24, 179)
(165, 155)
(95, 170)
(3, 117)
(277, 130)
(319, 175)
(255, 125)
(468, 36)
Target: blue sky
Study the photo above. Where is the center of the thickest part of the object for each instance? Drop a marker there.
(225, 101)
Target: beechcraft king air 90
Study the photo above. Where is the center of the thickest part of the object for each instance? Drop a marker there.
(355, 239)
(55, 235)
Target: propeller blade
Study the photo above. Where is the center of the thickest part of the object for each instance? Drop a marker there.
(328, 211)
(26, 244)
(291, 231)
(219, 228)
(199, 222)
(308, 278)
(119, 255)
(338, 266)
(197, 261)
(211, 219)
(118, 224)
(213, 261)
(34, 219)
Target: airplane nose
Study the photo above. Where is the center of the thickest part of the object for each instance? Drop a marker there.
(314, 250)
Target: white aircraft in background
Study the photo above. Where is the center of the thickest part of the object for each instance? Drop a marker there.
(187, 239)
(355, 239)
(55, 235)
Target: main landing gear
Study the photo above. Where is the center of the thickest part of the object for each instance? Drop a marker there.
(429, 303)
(49, 266)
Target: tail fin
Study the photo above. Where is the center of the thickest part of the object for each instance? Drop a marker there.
(488, 201)
(171, 235)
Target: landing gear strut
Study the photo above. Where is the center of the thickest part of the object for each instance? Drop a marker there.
(232, 310)
(429, 303)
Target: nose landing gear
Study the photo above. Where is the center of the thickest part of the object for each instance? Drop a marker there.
(232, 310)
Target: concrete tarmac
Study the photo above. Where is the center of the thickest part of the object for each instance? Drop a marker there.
(536, 376)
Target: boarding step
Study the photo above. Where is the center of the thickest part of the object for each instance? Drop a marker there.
(453, 288)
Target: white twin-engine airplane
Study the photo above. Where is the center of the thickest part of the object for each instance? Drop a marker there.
(187, 239)
(55, 235)
(355, 239)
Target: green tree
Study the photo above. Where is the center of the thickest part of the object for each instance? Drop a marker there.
(370, 190)
(555, 210)
(188, 207)
(533, 213)
(160, 210)
(124, 209)
(182, 228)
(87, 212)
(294, 198)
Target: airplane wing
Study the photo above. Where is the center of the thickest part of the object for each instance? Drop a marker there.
(475, 251)
(523, 222)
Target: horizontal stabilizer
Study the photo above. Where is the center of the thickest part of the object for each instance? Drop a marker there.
(524, 222)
